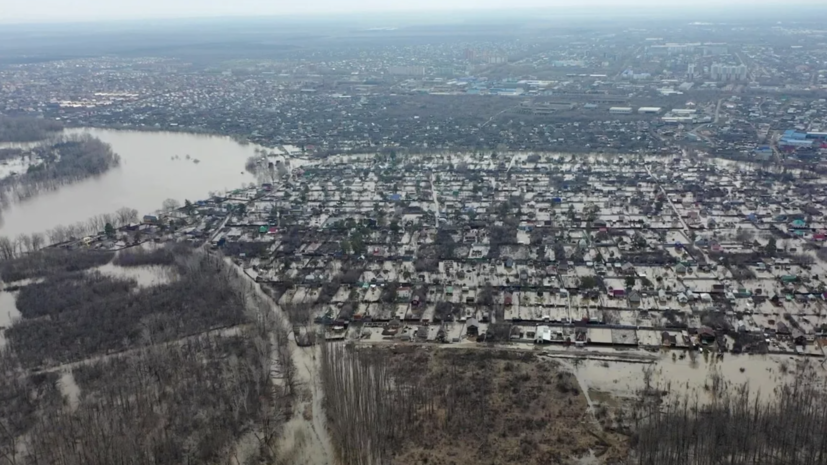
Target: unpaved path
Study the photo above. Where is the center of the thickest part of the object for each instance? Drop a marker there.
(305, 440)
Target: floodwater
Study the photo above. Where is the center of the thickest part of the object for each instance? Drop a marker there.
(147, 176)
(145, 276)
(70, 390)
(8, 313)
(688, 376)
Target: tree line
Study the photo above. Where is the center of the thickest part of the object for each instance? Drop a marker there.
(23, 129)
(11, 248)
(50, 261)
(138, 256)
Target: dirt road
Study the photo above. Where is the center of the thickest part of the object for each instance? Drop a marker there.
(305, 440)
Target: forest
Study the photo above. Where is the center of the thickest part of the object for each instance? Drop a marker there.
(27, 129)
(51, 261)
(101, 371)
(409, 405)
(24, 244)
(56, 162)
(92, 314)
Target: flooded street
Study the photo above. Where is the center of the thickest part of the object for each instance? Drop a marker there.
(154, 167)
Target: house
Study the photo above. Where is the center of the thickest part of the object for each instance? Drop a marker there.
(403, 294)
(542, 335)
(799, 337)
(150, 219)
(472, 327)
(392, 328)
(706, 335)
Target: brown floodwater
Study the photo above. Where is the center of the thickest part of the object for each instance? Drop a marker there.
(763, 374)
(147, 176)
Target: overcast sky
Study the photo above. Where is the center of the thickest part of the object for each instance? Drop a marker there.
(16, 11)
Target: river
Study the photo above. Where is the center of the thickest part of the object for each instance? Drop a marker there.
(148, 175)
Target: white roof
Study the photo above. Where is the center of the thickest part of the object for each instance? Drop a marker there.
(543, 333)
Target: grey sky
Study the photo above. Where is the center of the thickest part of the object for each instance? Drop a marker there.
(14, 11)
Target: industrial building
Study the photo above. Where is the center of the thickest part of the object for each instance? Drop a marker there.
(620, 110)
(649, 110)
(545, 108)
(677, 119)
(792, 139)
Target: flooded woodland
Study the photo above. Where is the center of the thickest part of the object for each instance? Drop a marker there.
(106, 349)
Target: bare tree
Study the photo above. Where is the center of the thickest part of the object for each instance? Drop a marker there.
(170, 205)
(126, 215)
(23, 243)
(38, 241)
(6, 248)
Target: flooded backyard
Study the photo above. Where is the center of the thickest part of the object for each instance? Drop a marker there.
(155, 166)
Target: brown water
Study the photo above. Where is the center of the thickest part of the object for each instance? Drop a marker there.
(147, 176)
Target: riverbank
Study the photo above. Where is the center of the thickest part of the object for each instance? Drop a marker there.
(149, 174)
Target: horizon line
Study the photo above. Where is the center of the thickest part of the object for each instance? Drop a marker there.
(634, 10)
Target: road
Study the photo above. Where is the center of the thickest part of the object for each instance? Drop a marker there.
(717, 111)
(671, 205)
(511, 163)
(496, 115)
(436, 203)
(305, 440)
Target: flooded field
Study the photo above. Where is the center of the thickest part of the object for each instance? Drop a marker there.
(624, 373)
(155, 166)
